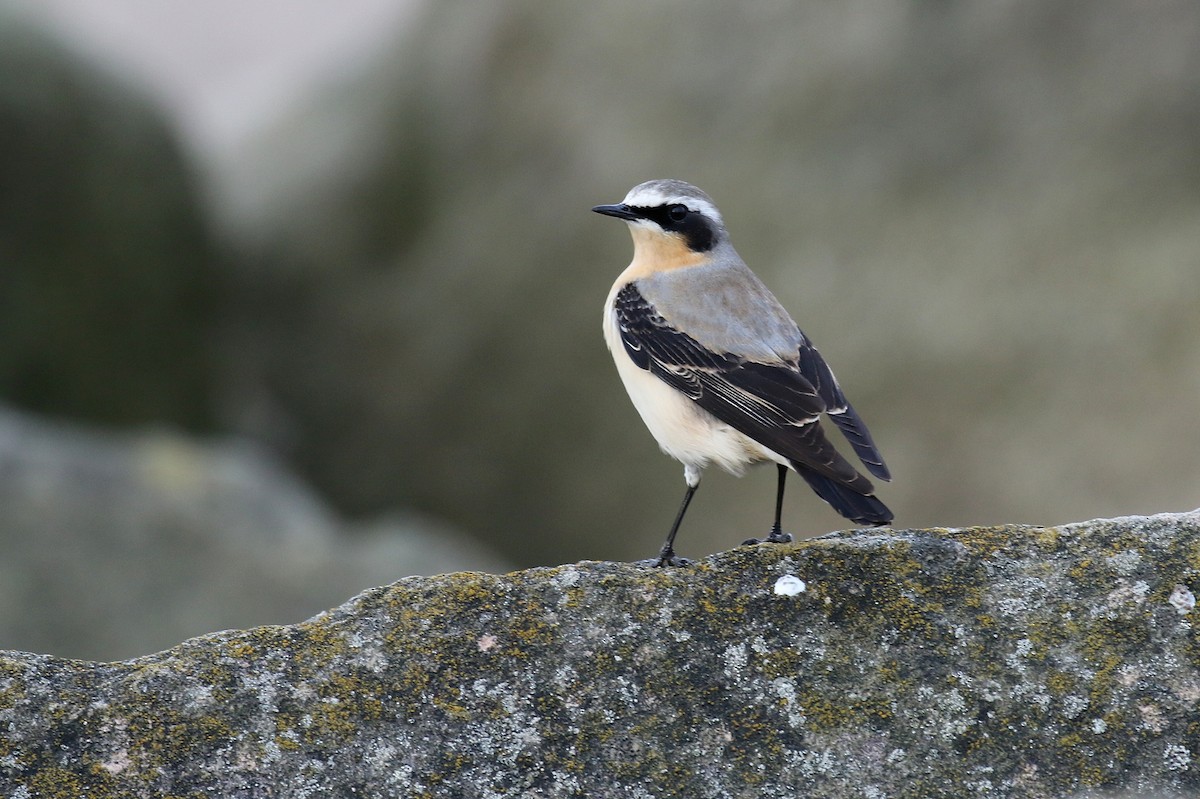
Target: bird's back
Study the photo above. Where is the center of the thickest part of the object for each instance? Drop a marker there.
(724, 306)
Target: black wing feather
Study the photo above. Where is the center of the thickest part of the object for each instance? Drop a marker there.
(814, 368)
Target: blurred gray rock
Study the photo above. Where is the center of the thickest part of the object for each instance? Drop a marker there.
(110, 289)
(1006, 662)
(984, 214)
(115, 545)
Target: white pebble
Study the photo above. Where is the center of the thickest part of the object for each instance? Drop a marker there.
(790, 585)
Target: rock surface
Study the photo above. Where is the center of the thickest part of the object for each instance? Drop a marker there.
(998, 662)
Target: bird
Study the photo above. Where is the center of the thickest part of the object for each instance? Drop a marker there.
(719, 372)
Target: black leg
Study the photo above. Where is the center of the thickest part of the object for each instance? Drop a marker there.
(777, 529)
(666, 556)
(777, 535)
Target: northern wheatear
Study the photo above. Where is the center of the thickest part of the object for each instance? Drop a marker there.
(715, 366)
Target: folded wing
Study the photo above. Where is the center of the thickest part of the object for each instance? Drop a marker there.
(776, 404)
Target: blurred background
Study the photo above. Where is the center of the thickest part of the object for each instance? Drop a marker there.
(298, 298)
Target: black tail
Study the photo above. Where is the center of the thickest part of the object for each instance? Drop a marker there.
(865, 509)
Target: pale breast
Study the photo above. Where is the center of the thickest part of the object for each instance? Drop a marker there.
(683, 429)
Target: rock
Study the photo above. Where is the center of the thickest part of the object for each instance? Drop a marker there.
(1007, 661)
(118, 544)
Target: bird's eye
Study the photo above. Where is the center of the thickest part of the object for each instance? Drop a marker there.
(677, 213)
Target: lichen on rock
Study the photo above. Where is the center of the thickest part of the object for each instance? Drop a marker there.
(1011, 661)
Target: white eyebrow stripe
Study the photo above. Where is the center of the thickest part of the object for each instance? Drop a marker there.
(653, 197)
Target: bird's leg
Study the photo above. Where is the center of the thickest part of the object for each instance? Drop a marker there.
(777, 535)
(666, 556)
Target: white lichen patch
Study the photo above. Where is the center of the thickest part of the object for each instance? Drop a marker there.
(1125, 563)
(1153, 719)
(1188, 689)
(1073, 705)
(567, 577)
(1177, 757)
(289, 735)
(370, 657)
(812, 763)
(945, 712)
(1125, 595)
(198, 696)
(736, 658)
(565, 678)
(1016, 659)
(785, 689)
(303, 692)
(1025, 595)
(664, 616)
(265, 687)
(117, 763)
(270, 752)
(1182, 599)
(1129, 676)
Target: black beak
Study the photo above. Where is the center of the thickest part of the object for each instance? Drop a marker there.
(620, 211)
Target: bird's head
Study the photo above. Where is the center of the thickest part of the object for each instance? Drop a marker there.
(669, 215)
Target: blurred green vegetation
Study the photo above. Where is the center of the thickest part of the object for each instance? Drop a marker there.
(109, 286)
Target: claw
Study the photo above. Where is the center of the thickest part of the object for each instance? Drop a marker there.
(668, 558)
(775, 537)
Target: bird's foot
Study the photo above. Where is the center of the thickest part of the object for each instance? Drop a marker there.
(668, 558)
(776, 536)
